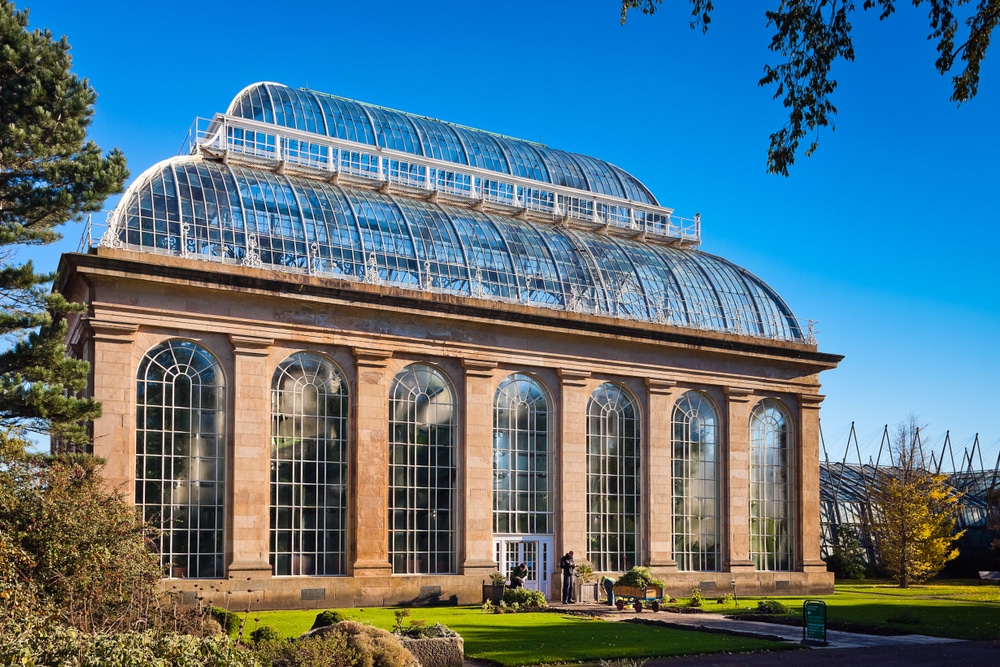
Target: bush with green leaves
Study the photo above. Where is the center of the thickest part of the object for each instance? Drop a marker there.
(697, 598)
(847, 558)
(327, 617)
(265, 634)
(34, 641)
(327, 649)
(640, 577)
(229, 620)
(524, 598)
(771, 607)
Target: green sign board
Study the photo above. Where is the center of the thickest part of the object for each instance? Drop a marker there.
(814, 622)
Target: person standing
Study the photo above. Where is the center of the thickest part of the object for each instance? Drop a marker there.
(568, 566)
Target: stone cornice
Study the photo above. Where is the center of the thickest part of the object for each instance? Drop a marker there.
(660, 387)
(573, 377)
(371, 358)
(253, 346)
(738, 394)
(479, 368)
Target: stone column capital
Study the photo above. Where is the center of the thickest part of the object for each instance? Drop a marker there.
(371, 358)
(480, 368)
(660, 387)
(811, 401)
(112, 332)
(738, 394)
(573, 377)
(253, 346)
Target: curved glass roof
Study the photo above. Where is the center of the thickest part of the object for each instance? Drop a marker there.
(323, 114)
(200, 208)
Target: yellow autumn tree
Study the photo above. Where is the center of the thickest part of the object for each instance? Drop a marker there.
(914, 512)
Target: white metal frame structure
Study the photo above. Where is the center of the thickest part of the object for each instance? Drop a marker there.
(423, 472)
(772, 487)
(309, 467)
(180, 464)
(696, 484)
(614, 479)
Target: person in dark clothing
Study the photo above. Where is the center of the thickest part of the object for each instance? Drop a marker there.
(568, 566)
(518, 575)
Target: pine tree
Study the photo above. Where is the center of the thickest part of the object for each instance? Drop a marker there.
(914, 512)
(49, 174)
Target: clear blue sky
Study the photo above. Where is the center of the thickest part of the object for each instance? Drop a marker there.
(887, 235)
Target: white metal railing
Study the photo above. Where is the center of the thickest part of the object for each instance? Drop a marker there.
(330, 155)
(102, 233)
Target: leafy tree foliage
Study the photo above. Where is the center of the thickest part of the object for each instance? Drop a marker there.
(810, 36)
(76, 551)
(49, 174)
(914, 513)
(847, 557)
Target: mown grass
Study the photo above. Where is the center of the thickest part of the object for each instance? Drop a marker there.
(535, 638)
(960, 610)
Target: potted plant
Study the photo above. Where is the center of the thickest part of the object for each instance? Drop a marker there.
(493, 591)
(588, 587)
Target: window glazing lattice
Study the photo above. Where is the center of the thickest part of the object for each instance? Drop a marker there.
(771, 491)
(309, 467)
(522, 457)
(422, 472)
(181, 454)
(614, 490)
(695, 460)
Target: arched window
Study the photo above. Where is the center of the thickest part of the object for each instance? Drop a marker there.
(180, 455)
(771, 495)
(522, 457)
(695, 458)
(422, 472)
(614, 493)
(309, 455)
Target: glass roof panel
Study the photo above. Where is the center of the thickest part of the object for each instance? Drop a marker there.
(365, 123)
(194, 207)
(440, 141)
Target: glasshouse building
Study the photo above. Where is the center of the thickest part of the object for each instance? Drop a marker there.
(354, 356)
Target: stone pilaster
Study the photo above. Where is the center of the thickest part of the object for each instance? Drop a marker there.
(572, 457)
(807, 484)
(250, 480)
(114, 386)
(370, 463)
(658, 482)
(737, 476)
(477, 468)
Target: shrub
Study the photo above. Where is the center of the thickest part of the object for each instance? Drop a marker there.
(325, 618)
(265, 633)
(326, 648)
(34, 641)
(639, 576)
(697, 598)
(771, 607)
(524, 598)
(497, 578)
(847, 558)
(229, 620)
(375, 647)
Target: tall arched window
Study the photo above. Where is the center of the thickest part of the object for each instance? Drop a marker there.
(522, 457)
(180, 455)
(422, 472)
(695, 458)
(309, 455)
(614, 491)
(771, 491)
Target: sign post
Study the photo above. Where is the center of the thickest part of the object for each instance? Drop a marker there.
(814, 623)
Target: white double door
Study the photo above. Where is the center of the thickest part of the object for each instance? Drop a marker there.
(532, 550)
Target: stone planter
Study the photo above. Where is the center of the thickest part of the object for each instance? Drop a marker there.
(437, 651)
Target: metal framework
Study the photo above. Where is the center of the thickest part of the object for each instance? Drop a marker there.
(312, 184)
(846, 492)
(696, 484)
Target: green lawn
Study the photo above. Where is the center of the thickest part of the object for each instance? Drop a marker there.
(528, 639)
(951, 609)
(963, 610)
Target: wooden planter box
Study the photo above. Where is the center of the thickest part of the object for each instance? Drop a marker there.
(588, 593)
(492, 594)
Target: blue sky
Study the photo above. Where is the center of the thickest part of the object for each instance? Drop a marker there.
(887, 235)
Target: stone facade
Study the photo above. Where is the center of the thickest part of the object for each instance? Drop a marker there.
(253, 318)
